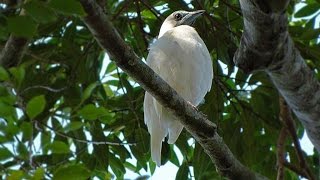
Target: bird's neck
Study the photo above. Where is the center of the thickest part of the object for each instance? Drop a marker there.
(164, 28)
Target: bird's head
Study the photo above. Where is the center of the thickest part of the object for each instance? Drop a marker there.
(178, 18)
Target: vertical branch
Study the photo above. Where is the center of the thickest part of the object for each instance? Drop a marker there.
(288, 122)
(140, 24)
(14, 49)
(30, 144)
(281, 153)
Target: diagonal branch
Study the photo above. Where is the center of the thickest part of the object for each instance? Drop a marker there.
(194, 121)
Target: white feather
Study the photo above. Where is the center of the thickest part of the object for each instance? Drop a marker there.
(181, 58)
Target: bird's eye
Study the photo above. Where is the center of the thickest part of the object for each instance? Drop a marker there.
(178, 17)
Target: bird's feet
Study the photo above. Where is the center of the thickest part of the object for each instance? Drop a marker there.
(193, 106)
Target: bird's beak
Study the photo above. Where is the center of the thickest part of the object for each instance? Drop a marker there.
(191, 17)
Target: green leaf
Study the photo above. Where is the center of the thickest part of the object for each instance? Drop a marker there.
(18, 73)
(6, 110)
(5, 154)
(3, 33)
(40, 12)
(58, 147)
(310, 34)
(26, 129)
(38, 174)
(202, 165)
(72, 172)
(3, 139)
(74, 126)
(69, 7)
(15, 175)
(307, 10)
(35, 106)
(3, 74)
(152, 166)
(16, 23)
(11, 129)
(23, 151)
(183, 172)
(116, 166)
(91, 112)
(142, 139)
(88, 91)
(111, 67)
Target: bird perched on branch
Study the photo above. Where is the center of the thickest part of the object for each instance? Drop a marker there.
(180, 58)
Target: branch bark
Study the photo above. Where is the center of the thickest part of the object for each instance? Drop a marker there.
(281, 153)
(266, 45)
(289, 125)
(194, 121)
(12, 52)
(14, 48)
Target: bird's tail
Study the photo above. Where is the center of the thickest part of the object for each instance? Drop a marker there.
(167, 125)
(156, 145)
(160, 123)
(174, 130)
(155, 127)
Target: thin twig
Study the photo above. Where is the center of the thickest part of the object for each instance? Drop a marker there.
(153, 10)
(124, 7)
(120, 110)
(43, 87)
(132, 31)
(233, 8)
(140, 24)
(217, 24)
(244, 81)
(31, 163)
(130, 100)
(85, 141)
(225, 91)
(241, 103)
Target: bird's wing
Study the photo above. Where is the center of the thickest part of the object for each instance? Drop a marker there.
(191, 70)
(201, 76)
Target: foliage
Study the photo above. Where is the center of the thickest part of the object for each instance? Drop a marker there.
(64, 115)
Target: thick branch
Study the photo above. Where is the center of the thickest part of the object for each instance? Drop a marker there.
(266, 45)
(194, 121)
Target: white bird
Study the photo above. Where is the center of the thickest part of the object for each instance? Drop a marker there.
(179, 57)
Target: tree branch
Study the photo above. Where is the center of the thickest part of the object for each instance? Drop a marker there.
(194, 121)
(62, 134)
(12, 52)
(295, 169)
(266, 45)
(281, 153)
(15, 46)
(288, 123)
